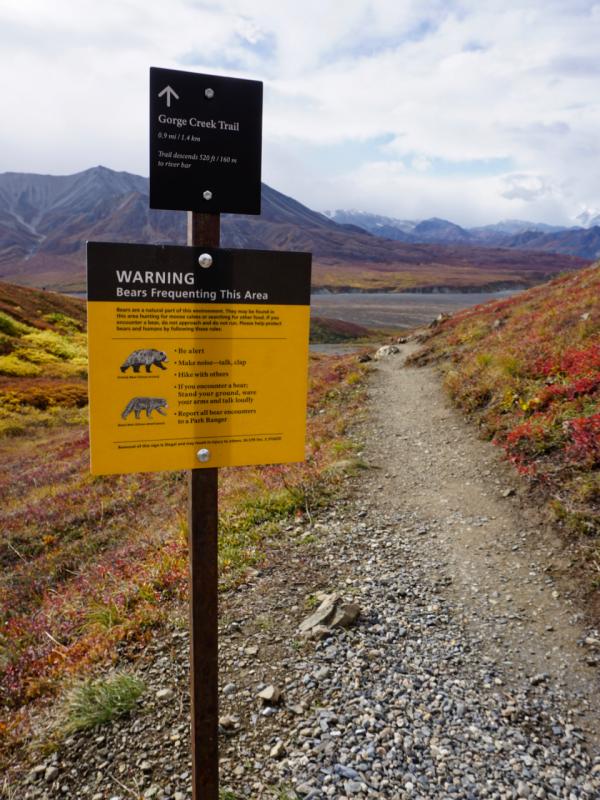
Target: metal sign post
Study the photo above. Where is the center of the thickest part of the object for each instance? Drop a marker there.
(144, 301)
(203, 524)
(187, 345)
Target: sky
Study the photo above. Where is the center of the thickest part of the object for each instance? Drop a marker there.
(473, 111)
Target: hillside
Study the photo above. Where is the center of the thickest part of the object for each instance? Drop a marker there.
(43, 360)
(31, 306)
(325, 330)
(45, 221)
(462, 644)
(459, 619)
(528, 370)
(88, 565)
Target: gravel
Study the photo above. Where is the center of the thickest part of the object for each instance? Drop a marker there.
(425, 695)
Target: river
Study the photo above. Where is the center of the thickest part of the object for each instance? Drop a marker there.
(396, 310)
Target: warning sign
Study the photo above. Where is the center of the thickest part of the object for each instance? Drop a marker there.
(196, 366)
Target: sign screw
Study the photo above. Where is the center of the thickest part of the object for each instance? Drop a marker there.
(207, 195)
(209, 93)
(203, 455)
(205, 260)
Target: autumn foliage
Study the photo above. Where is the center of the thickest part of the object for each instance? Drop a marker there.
(528, 369)
(91, 565)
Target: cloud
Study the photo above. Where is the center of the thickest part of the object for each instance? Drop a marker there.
(526, 187)
(437, 107)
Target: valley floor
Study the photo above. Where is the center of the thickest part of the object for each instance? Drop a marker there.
(470, 673)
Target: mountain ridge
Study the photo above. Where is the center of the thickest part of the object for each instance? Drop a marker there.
(583, 241)
(45, 221)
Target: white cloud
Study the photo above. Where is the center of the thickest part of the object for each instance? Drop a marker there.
(450, 85)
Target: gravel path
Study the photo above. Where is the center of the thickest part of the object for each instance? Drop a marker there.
(469, 673)
(466, 677)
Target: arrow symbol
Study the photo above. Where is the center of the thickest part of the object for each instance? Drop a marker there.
(170, 92)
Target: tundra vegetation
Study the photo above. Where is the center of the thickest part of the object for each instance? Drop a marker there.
(527, 369)
(92, 566)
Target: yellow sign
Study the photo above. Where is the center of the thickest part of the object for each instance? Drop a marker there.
(196, 367)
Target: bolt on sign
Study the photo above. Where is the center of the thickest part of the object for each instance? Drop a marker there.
(205, 142)
(197, 357)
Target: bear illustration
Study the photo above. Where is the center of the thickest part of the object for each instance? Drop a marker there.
(147, 404)
(144, 358)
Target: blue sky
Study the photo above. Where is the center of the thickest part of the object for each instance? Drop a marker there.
(473, 111)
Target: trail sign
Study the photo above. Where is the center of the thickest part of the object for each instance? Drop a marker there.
(198, 356)
(205, 142)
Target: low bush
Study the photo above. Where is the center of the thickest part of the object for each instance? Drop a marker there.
(16, 367)
(11, 327)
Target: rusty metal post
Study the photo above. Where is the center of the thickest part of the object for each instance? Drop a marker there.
(203, 512)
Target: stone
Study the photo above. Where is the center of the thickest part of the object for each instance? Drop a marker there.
(278, 750)
(541, 677)
(304, 789)
(346, 772)
(353, 787)
(386, 351)
(345, 615)
(330, 614)
(50, 773)
(438, 320)
(227, 722)
(317, 633)
(270, 695)
(322, 614)
(163, 695)
(37, 772)
(508, 492)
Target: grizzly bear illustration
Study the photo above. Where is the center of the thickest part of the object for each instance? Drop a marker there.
(144, 358)
(147, 404)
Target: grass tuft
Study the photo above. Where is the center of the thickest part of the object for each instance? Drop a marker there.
(93, 703)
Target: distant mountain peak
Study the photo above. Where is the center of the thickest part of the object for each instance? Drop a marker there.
(588, 218)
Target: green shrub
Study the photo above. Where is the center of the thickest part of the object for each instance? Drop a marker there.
(55, 343)
(12, 365)
(63, 321)
(11, 327)
(36, 356)
(96, 702)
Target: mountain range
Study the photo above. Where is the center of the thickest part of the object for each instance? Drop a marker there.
(581, 241)
(45, 221)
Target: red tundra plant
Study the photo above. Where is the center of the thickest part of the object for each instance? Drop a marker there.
(584, 448)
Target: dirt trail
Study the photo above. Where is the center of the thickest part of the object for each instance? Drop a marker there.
(505, 559)
(463, 677)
